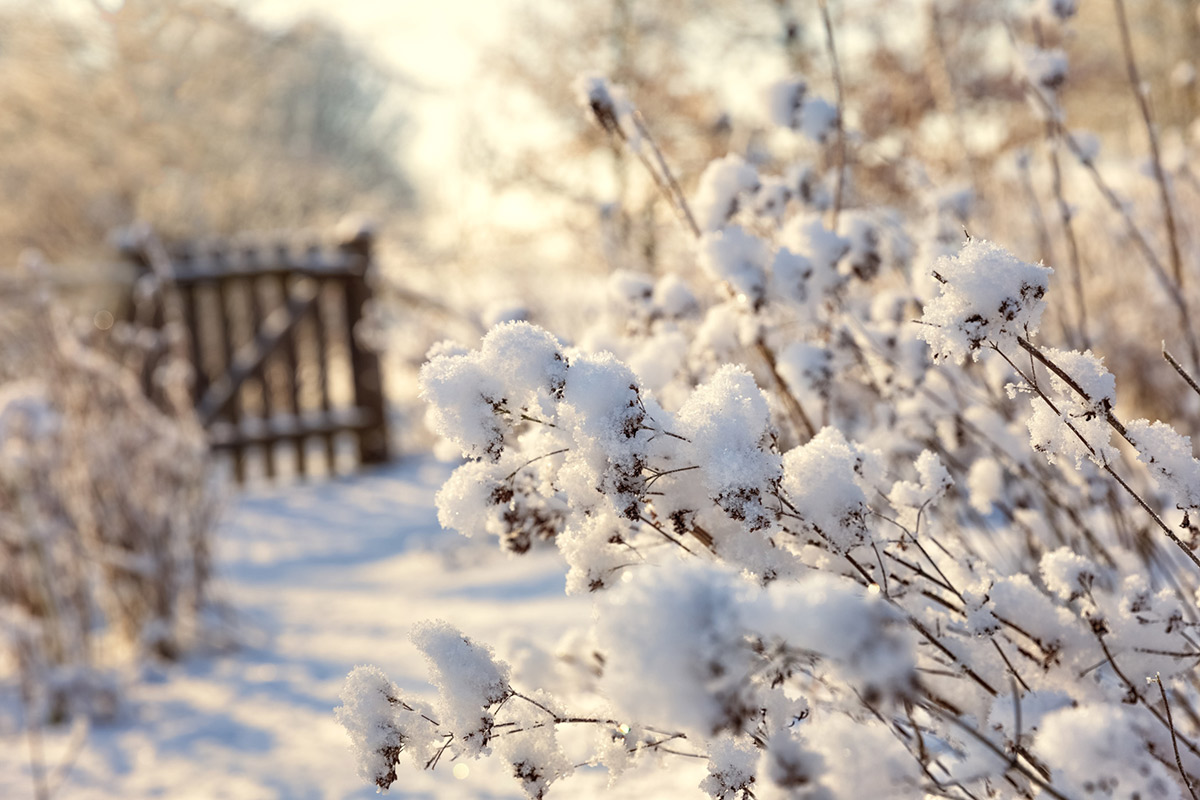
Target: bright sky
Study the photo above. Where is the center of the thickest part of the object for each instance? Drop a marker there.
(435, 44)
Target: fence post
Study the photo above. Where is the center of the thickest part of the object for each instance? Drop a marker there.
(368, 380)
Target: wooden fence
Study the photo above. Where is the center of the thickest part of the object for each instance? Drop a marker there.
(278, 370)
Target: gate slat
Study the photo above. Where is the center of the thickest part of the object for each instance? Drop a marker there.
(251, 285)
(231, 405)
(368, 382)
(248, 312)
(279, 324)
(293, 361)
(192, 320)
(322, 358)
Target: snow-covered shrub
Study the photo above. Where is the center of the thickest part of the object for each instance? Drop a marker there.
(106, 506)
(831, 555)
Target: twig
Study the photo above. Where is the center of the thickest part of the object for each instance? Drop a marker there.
(799, 418)
(921, 629)
(1160, 177)
(1055, 134)
(1173, 291)
(664, 534)
(1187, 781)
(657, 474)
(1106, 467)
(1015, 674)
(1067, 220)
(1111, 661)
(1016, 718)
(1179, 368)
(513, 474)
(1032, 775)
(1036, 353)
(667, 175)
(433, 760)
(882, 571)
(838, 186)
(1035, 207)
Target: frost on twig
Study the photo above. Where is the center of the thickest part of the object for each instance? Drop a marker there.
(816, 535)
(986, 296)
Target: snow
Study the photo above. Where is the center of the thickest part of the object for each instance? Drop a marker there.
(683, 621)
(1076, 427)
(1066, 573)
(609, 107)
(737, 258)
(469, 679)
(1046, 69)
(988, 297)
(1169, 457)
(730, 768)
(673, 297)
(785, 99)
(721, 184)
(820, 478)
(1100, 750)
(727, 424)
(790, 106)
(322, 578)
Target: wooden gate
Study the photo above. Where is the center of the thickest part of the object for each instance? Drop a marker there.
(278, 370)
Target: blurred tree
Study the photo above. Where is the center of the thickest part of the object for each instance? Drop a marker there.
(932, 82)
(547, 146)
(700, 70)
(185, 114)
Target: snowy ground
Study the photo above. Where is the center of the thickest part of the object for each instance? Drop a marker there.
(323, 577)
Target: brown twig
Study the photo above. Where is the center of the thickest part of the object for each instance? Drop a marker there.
(1105, 466)
(839, 182)
(667, 175)
(1187, 781)
(1179, 368)
(1160, 177)
(1170, 287)
(799, 418)
(1031, 774)
(1067, 220)
(1112, 662)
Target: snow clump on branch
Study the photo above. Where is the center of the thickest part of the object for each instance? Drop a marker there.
(988, 297)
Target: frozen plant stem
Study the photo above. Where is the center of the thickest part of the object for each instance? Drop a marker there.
(33, 735)
(664, 179)
(1035, 208)
(1187, 781)
(1172, 289)
(1113, 421)
(789, 399)
(838, 185)
(1183, 373)
(1140, 697)
(673, 191)
(1065, 216)
(936, 709)
(1054, 137)
(1160, 177)
(941, 82)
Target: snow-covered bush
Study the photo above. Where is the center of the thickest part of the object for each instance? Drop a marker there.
(106, 506)
(831, 555)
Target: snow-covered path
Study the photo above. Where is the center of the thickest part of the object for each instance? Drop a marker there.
(322, 577)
